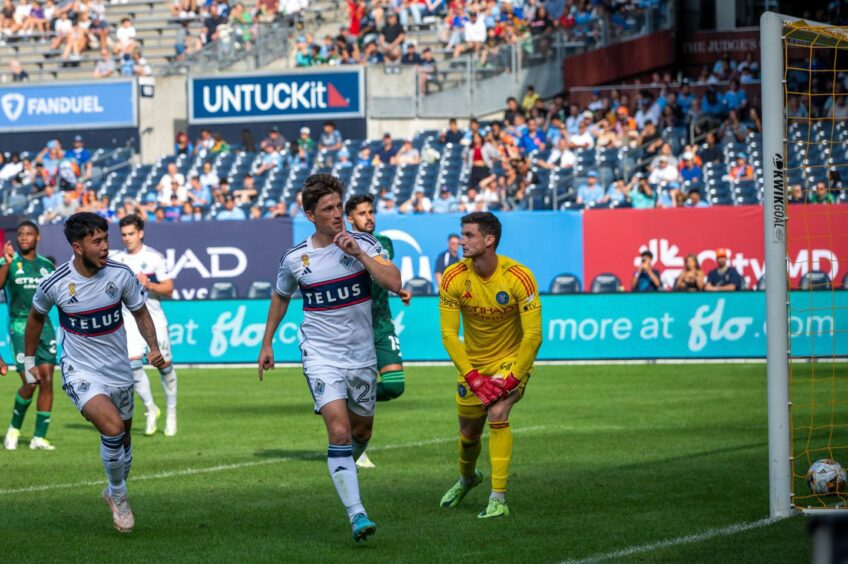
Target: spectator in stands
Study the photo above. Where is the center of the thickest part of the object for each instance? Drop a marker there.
(796, 194)
(712, 107)
(105, 66)
(138, 65)
(204, 142)
(529, 100)
(230, 211)
(618, 193)
(474, 36)
(480, 157)
(472, 201)
(172, 176)
(427, 70)
(411, 57)
(173, 211)
(209, 178)
(50, 157)
(513, 109)
(642, 194)
(821, 194)
(199, 195)
(446, 258)
(407, 154)
(733, 130)
(741, 170)
(561, 157)
(533, 138)
(125, 36)
(213, 22)
(275, 209)
(392, 38)
(646, 278)
(711, 151)
(591, 192)
(446, 202)
(219, 145)
(386, 151)
(248, 193)
(67, 208)
(386, 202)
(12, 168)
(664, 174)
(418, 203)
(306, 142)
(694, 200)
(689, 171)
(723, 278)
(734, 97)
(19, 74)
(270, 160)
(453, 135)
(51, 200)
(182, 144)
(274, 139)
(583, 138)
(331, 138)
(371, 54)
(296, 207)
(692, 277)
(81, 156)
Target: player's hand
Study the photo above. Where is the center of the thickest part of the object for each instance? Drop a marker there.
(506, 385)
(155, 358)
(4, 369)
(143, 280)
(8, 252)
(482, 387)
(347, 243)
(405, 296)
(266, 360)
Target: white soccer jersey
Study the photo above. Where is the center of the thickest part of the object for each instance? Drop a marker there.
(151, 263)
(336, 288)
(94, 342)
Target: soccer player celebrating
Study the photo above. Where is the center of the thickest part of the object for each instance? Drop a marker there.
(390, 382)
(152, 272)
(89, 291)
(498, 301)
(333, 269)
(20, 274)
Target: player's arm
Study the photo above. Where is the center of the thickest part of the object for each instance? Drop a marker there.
(378, 266)
(148, 332)
(405, 295)
(285, 287)
(526, 293)
(6, 262)
(32, 334)
(163, 288)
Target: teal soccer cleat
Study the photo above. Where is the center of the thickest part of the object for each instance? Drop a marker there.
(363, 527)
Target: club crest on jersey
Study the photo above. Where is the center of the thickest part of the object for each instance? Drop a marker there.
(460, 389)
(346, 261)
(112, 290)
(502, 298)
(83, 386)
(43, 272)
(319, 388)
(304, 260)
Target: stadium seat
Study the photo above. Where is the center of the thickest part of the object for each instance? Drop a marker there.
(419, 286)
(565, 284)
(605, 283)
(223, 291)
(815, 280)
(259, 290)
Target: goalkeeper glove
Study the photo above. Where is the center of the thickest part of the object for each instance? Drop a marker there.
(506, 385)
(482, 387)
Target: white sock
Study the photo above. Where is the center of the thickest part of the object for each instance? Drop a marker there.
(127, 460)
(343, 472)
(358, 448)
(112, 455)
(500, 496)
(142, 388)
(169, 384)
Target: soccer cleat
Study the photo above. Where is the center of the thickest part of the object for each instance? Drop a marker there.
(363, 527)
(11, 441)
(459, 490)
(496, 508)
(171, 422)
(122, 515)
(40, 443)
(152, 416)
(365, 462)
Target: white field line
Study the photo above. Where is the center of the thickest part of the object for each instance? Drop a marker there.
(688, 539)
(236, 466)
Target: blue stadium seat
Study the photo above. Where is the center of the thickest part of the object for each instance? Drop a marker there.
(605, 283)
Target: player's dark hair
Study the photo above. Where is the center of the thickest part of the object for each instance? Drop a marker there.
(28, 223)
(354, 201)
(317, 186)
(453, 236)
(82, 224)
(486, 222)
(132, 219)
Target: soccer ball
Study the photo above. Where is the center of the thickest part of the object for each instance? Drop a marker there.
(826, 476)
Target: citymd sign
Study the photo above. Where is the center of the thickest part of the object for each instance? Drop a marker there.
(277, 97)
(66, 105)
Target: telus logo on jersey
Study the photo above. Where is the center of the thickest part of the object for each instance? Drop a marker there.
(337, 293)
(93, 323)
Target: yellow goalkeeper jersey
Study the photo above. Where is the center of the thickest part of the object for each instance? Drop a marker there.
(501, 316)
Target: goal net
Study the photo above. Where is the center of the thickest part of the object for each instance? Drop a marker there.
(805, 161)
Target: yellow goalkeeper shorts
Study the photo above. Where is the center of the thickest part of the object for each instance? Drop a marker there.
(467, 404)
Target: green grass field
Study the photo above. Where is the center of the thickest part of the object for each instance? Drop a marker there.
(606, 458)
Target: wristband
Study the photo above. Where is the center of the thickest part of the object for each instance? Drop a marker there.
(29, 364)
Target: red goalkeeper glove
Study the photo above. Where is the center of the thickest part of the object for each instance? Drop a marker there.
(505, 386)
(482, 387)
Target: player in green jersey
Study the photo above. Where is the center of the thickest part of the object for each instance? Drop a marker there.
(20, 274)
(359, 210)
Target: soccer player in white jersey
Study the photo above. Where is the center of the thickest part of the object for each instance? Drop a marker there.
(152, 272)
(89, 291)
(333, 269)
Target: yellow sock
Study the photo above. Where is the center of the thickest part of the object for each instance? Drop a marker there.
(469, 450)
(500, 453)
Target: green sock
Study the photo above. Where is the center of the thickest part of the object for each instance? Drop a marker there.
(42, 421)
(390, 386)
(21, 406)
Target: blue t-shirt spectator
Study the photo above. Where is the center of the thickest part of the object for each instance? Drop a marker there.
(385, 154)
(644, 283)
(590, 193)
(532, 140)
(714, 107)
(694, 175)
(79, 154)
(719, 278)
(735, 99)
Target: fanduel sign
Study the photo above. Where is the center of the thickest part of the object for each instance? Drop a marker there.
(277, 97)
(88, 105)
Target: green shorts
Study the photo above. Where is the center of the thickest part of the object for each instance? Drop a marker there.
(388, 349)
(44, 354)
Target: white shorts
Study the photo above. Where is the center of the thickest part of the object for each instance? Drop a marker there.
(81, 389)
(137, 346)
(356, 385)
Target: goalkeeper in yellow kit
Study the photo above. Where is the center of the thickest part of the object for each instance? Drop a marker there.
(498, 301)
